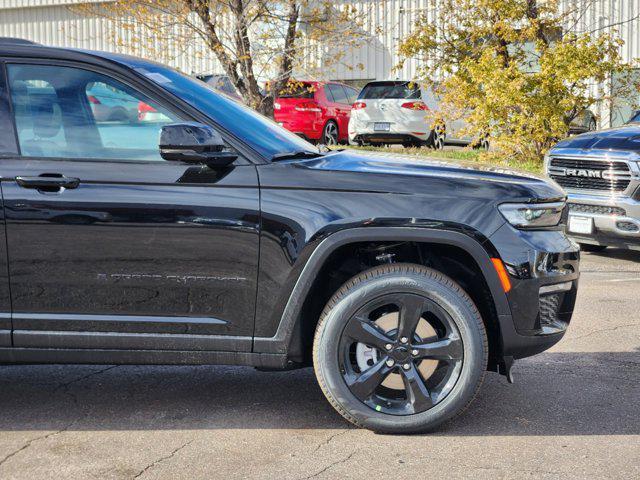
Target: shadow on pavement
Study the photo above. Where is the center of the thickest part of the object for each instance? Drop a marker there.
(554, 394)
(617, 254)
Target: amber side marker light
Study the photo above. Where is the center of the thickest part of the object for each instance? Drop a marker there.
(502, 274)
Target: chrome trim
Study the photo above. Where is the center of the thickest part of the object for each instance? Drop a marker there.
(555, 288)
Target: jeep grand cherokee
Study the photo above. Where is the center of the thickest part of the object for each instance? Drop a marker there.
(232, 241)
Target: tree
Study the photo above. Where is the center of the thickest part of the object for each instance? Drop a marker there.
(510, 68)
(250, 39)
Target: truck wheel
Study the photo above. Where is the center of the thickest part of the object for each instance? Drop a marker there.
(588, 247)
(400, 348)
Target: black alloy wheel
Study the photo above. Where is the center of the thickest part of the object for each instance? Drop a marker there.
(425, 369)
(400, 348)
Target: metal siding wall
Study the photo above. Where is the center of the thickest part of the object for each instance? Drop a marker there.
(52, 22)
(58, 25)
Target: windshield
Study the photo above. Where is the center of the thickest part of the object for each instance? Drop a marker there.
(635, 118)
(395, 90)
(261, 133)
(298, 90)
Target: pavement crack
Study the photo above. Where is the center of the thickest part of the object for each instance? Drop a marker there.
(330, 439)
(612, 329)
(84, 377)
(161, 459)
(330, 466)
(28, 443)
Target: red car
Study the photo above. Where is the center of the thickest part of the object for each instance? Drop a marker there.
(317, 111)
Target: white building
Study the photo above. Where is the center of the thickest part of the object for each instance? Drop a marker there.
(54, 22)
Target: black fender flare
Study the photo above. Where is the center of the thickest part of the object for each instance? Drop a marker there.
(279, 343)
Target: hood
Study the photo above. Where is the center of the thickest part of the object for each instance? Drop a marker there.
(625, 139)
(407, 174)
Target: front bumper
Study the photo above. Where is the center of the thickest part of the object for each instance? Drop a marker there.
(616, 220)
(544, 269)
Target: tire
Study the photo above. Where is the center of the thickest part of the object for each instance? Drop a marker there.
(437, 137)
(390, 409)
(330, 134)
(588, 247)
(482, 144)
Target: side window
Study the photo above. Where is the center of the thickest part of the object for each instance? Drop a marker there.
(328, 92)
(8, 145)
(352, 94)
(338, 93)
(75, 113)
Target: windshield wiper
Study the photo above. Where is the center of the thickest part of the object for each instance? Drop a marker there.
(295, 154)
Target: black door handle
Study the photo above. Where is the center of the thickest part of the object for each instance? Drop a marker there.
(48, 182)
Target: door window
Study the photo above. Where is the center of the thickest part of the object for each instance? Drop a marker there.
(338, 93)
(8, 145)
(352, 94)
(75, 113)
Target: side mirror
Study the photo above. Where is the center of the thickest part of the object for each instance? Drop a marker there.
(192, 142)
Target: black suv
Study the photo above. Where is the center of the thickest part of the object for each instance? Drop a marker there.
(232, 241)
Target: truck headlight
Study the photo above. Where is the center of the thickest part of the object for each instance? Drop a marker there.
(532, 215)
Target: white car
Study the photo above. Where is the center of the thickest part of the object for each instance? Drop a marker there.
(402, 112)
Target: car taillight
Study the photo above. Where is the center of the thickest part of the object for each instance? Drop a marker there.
(415, 106)
(93, 100)
(358, 106)
(308, 107)
(143, 109)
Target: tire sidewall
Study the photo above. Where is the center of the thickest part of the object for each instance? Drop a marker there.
(465, 318)
(325, 128)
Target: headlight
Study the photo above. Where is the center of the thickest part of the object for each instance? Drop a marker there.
(532, 215)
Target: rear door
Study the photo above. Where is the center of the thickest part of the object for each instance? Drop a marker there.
(341, 105)
(8, 149)
(110, 246)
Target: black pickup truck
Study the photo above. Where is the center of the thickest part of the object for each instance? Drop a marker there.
(195, 231)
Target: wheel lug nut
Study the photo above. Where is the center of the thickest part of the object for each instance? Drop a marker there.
(406, 366)
(414, 352)
(404, 340)
(388, 346)
(390, 363)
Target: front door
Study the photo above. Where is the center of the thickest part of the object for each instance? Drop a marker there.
(8, 149)
(109, 245)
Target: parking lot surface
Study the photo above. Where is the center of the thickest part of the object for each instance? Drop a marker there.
(574, 412)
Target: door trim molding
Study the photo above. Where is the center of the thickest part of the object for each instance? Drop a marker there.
(140, 357)
(72, 317)
(129, 341)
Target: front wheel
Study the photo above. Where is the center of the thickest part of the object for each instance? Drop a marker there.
(400, 348)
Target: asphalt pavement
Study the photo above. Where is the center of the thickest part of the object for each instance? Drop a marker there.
(573, 413)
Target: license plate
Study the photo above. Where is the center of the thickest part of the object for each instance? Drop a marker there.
(580, 224)
(382, 127)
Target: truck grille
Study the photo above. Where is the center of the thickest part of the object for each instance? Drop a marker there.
(590, 174)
